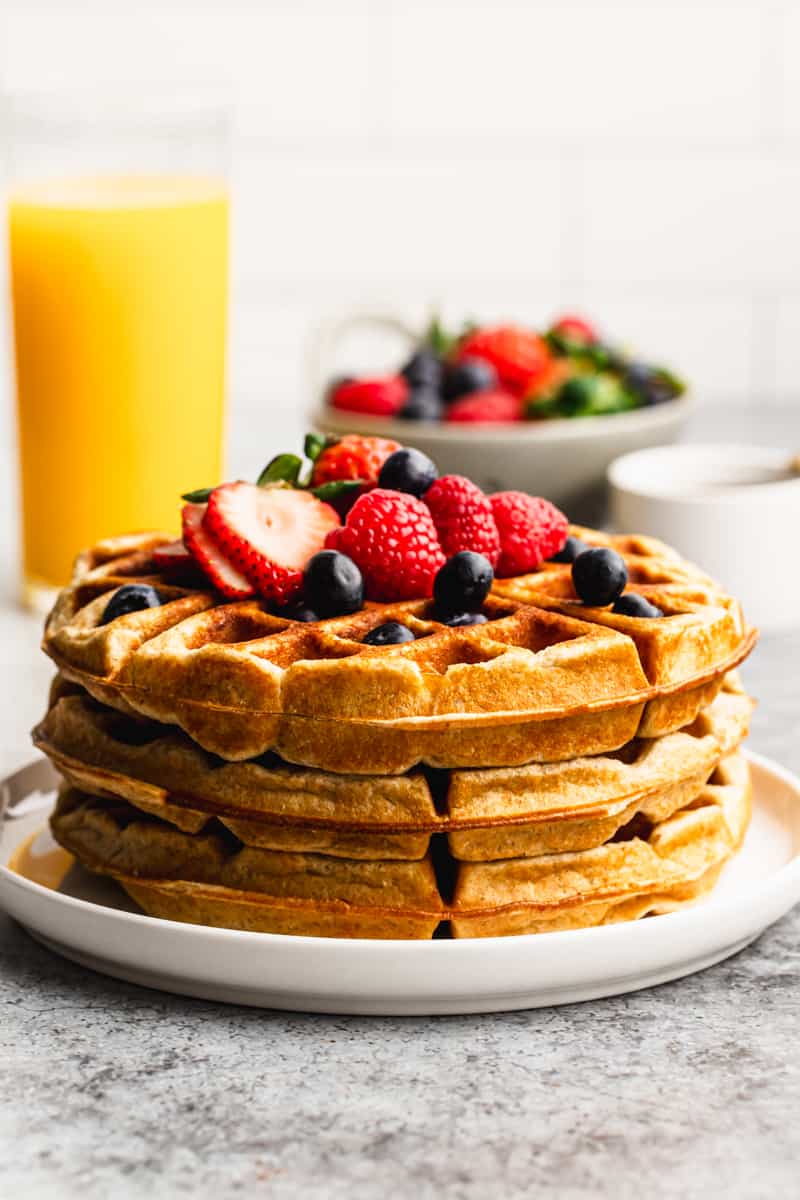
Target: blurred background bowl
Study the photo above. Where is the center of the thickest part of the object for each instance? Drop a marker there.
(564, 459)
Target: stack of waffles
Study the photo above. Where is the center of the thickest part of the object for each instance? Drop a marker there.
(557, 767)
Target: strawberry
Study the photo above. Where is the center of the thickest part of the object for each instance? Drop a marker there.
(378, 397)
(518, 355)
(531, 530)
(268, 534)
(392, 539)
(172, 556)
(353, 457)
(463, 517)
(495, 408)
(575, 329)
(212, 562)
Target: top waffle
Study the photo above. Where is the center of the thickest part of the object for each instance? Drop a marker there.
(545, 679)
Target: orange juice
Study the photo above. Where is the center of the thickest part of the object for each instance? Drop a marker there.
(119, 289)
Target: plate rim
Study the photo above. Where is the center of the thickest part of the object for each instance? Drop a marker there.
(462, 947)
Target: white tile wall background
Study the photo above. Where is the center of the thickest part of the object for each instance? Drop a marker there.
(493, 157)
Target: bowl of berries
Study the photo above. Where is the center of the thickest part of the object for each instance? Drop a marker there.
(507, 406)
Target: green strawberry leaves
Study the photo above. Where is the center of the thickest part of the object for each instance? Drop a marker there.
(198, 496)
(329, 491)
(284, 468)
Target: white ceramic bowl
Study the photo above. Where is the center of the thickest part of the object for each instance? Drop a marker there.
(734, 510)
(564, 460)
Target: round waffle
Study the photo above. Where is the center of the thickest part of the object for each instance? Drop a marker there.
(212, 878)
(486, 814)
(546, 679)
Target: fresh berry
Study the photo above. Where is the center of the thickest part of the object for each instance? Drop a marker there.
(599, 576)
(391, 537)
(131, 597)
(467, 376)
(652, 385)
(352, 457)
(575, 329)
(407, 470)
(631, 604)
(333, 584)
(391, 633)
(298, 611)
(423, 404)
(269, 534)
(463, 583)
(531, 530)
(569, 551)
(173, 556)
(383, 397)
(518, 355)
(463, 517)
(423, 369)
(222, 574)
(496, 408)
(466, 618)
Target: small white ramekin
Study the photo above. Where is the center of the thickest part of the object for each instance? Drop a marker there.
(733, 510)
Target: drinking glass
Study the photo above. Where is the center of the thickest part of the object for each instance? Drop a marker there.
(118, 257)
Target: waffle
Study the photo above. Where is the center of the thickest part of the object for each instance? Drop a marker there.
(544, 680)
(486, 814)
(210, 877)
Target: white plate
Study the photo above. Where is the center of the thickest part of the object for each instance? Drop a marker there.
(87, 920)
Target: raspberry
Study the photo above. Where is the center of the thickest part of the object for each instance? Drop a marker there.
(575, 329)
(531, 530)
(377, 397)
(497, 407)
(353, 457)
(463, 517)
(518, 355)
(392, 539)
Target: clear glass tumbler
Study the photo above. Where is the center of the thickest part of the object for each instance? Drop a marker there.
(118, 255)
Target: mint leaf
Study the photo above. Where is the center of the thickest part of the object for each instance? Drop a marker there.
(284, 468)
(198, 496)
(329, 491)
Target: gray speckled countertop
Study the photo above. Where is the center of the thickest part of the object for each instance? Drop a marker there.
(690, 1089)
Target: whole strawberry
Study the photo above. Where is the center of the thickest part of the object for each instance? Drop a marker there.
(392, 539)
(575, 329)
(352, 457)
(379, 397)
(531, 530)
(495, 408)
(519, 356)
(463, 517)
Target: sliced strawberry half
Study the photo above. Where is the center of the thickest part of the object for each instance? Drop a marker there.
(212, 562)
(173, 556)
(269, 534)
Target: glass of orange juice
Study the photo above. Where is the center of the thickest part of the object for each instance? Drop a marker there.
(118, 257)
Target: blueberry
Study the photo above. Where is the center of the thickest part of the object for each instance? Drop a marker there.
(392, 633)
(423, 369)
(469, 375)
(407, 470)
(599, 575)
(466, 618)
(463, 583)
(299, 611)
(131, 597)
(423, 404)
(333, 584)
(569, 551)
(634, 605)
(652, 385)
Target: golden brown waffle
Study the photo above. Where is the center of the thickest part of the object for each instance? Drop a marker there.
(211, 878)
(486, 814)
(544, 680)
